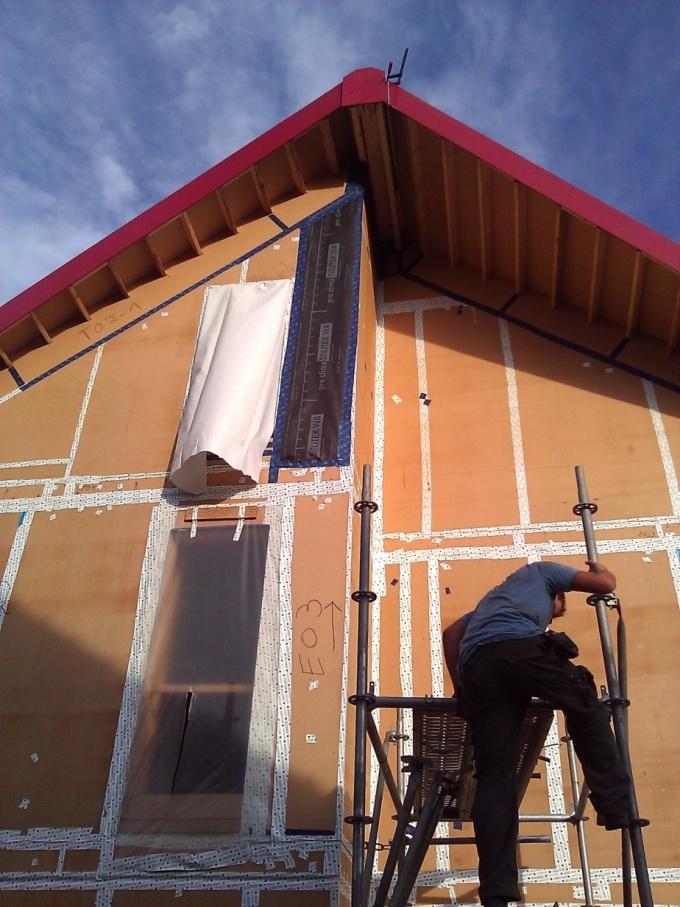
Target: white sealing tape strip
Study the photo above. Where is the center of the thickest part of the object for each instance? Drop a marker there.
(284, 673)
(664, 447)
(83, 410)
(426, 470)
(13, 561)
(515, 427)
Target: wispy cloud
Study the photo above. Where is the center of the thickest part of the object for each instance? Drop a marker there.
(111, 107)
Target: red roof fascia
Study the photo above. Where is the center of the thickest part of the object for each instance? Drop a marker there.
(363, 86)
(162, 212)
(586, 206)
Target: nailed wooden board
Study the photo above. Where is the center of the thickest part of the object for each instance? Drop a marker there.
(318, 608)
(402, 462)
(473, 473)
(572, 413)
(64, 650)
(39, 423)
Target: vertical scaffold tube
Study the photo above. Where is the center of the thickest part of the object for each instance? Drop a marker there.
(585, 510)
(363, 596)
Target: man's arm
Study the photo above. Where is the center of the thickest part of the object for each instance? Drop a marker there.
(452, 639)
(598, 579)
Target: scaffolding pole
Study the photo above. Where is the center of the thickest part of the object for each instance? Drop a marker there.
(363, 596)
(585, 509)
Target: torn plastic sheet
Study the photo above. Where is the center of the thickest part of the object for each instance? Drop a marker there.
(194, 745)
(231, 406)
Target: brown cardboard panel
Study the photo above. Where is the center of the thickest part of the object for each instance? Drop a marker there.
(27, 861)
(652, 619)
(436, 543)
(39, 423)
(318, 590)
(464, 280)
(652, 357)
(115, 315)
(21, 491)
(295, 899)
(398, 289)
(137, 398)
(576, 535)
(420, 631)
(567, 323)
(41, 471)
(64, 650)
(8, 526)
(473, 472)
(81, 860)
(48, 898)
(277, 261)
(169, 898)
(571, 414)
(294, 209)
(7, 382)
(402, 465)
(669, 407)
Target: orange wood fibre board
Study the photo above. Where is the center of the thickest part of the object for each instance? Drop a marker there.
(168, 898)
(295, 899)
(39, 423)
(70, 898)
(473, 473)
(669, 407)
(27, 861)
(64, 651)
(650, 608)
(576, 535)
(574, 415)
(401, 463)
(277, 261)
(420, 631)
(41, 471)
(318, 607)
(137, 397)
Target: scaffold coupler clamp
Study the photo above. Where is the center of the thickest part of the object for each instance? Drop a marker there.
(610, 600)
(360, 506)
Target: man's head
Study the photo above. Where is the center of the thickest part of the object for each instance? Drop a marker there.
(559, 605)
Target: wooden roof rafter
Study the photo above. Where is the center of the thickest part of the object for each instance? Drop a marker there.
(448, 160)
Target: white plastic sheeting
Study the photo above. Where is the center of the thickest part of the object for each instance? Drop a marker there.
(231, 406)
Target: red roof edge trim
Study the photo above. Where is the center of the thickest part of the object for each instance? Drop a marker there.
(171, 206)
(649, 241)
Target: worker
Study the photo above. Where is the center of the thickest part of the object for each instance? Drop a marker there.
(499, 656)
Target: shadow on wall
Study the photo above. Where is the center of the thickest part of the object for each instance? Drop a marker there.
(473, 333)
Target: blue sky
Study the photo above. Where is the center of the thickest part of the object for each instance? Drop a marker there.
(109, 105)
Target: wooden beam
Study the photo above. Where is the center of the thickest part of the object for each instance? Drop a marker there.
(225, 208)
(558, 250)
(155, 257)
(416, 167)
(388, 169)
(520, 223)
(41, 327)
(80, 305)
(295, 167)
(448, 156)
(674, 335)
(485, 231)
(118, 280)
(5, 358)
(190, 233)
(596, 275)
(358, 130)
(633, 316)
(328, 143)
(260, 191)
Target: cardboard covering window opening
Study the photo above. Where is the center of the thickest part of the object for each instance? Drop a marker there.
(201, 761)
(231, 406)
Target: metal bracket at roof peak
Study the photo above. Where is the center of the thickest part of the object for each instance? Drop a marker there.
(395, 77)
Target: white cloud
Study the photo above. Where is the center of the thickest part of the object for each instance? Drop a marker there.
(117, 187)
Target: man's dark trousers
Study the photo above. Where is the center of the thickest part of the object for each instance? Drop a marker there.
(498, 682)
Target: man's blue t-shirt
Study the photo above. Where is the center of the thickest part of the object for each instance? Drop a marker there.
(521, 606)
